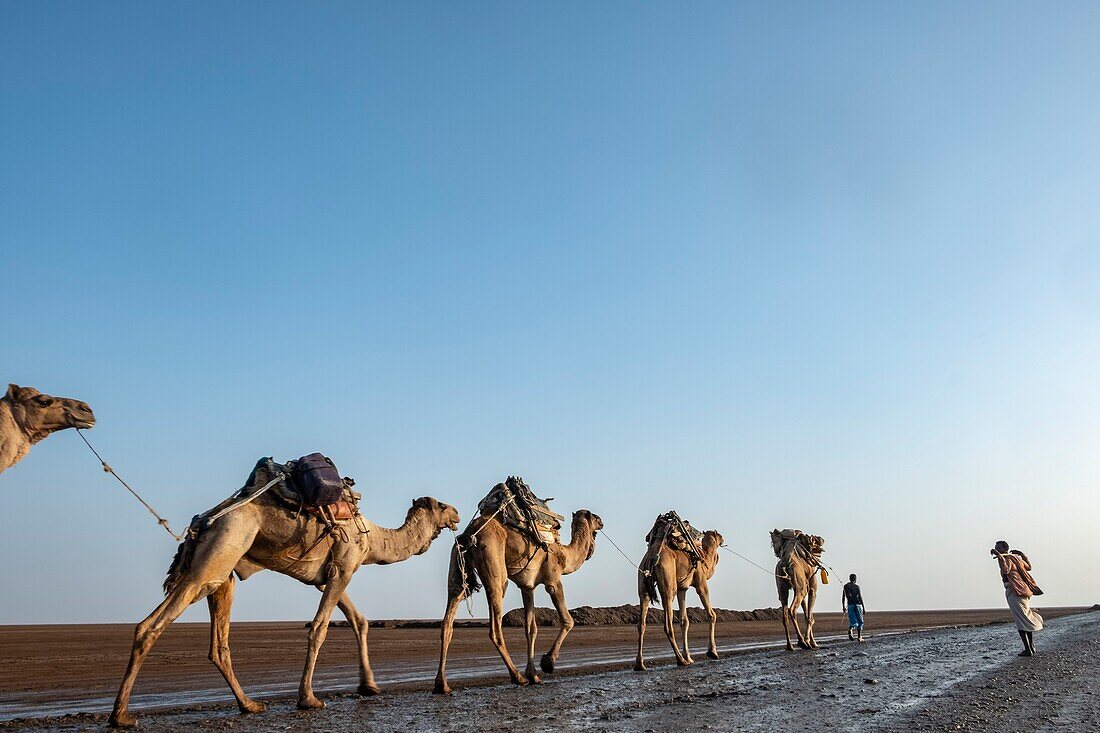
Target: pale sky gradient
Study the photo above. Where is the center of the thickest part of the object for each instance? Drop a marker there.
(828, 266)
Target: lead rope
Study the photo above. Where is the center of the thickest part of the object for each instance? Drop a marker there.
(107, 469)
(727, 548)
(616, 546)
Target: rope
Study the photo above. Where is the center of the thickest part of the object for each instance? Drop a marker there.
(107, 469)
(727, 548)
(616, 546)
(250, 498)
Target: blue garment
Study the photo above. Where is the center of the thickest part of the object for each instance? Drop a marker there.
(855, 616)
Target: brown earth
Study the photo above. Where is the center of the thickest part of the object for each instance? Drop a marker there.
(68, 668)
(949, 677)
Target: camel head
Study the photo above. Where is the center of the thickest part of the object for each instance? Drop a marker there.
(441, 515)
(711, 539)
(584, 519)
(583, 516)
(39, 414)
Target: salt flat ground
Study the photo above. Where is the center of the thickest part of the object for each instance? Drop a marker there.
(965, 678)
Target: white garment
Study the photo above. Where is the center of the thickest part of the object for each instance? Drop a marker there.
(1027, 619)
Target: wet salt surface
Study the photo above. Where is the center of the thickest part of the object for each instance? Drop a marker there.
(972, 674)
(344, 678)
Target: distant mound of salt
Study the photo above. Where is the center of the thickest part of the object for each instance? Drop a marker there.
(629, 614)
(1095, 607)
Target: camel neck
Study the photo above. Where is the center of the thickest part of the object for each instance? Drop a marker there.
(580, 546)
(14, 441)
(385, 545)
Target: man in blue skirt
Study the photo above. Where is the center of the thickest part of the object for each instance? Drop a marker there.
(853, 606)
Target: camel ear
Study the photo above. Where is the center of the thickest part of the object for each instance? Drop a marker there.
(19, 394)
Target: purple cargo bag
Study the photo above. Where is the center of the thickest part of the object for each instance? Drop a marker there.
(317, 480)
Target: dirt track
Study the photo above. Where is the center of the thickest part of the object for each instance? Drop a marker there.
(972, 674)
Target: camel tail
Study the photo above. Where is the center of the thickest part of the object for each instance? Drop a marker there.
(181, 563)
(647, 579)
(463, 573)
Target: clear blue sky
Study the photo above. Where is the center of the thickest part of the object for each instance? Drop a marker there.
(825, 266)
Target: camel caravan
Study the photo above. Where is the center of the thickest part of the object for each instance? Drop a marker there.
(302, 519)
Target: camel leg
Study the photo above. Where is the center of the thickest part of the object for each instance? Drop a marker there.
(639, 663)
(213, 561)
(532, 629)
(145, 635)
(784, 603)
(495, 595)
(360, 625)
(685, 622)
(337, 581)
(799, 599)
(704, 596)
(220, 603)
(667, 600)
(446, 632)
(557, 595)
(455, 594)
(808, 610)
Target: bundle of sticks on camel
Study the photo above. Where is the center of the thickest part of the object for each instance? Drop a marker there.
(678, 557)
(270, 531)
(493, 550)
(799, 562)
(27, 417)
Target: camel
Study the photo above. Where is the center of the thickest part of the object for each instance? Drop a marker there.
(492, 553)
(799, 560)
(265, 534)
(27, 416)
(671, 571)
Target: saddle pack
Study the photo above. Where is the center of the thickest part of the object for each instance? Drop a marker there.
(306, 486)
(678, 534)
(516, 506)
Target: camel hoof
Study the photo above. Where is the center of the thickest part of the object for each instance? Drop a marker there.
(803, 645)
(639, 667)
(813, 646)
(712, 655)
(520, 681)
(534, 679)
(442, 689)
(369, 690)
(122, 720)
(251, 706)
(790, 648)
(311, 703)
(547, 664)
(682, 663)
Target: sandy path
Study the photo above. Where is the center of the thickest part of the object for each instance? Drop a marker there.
(972, 675)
